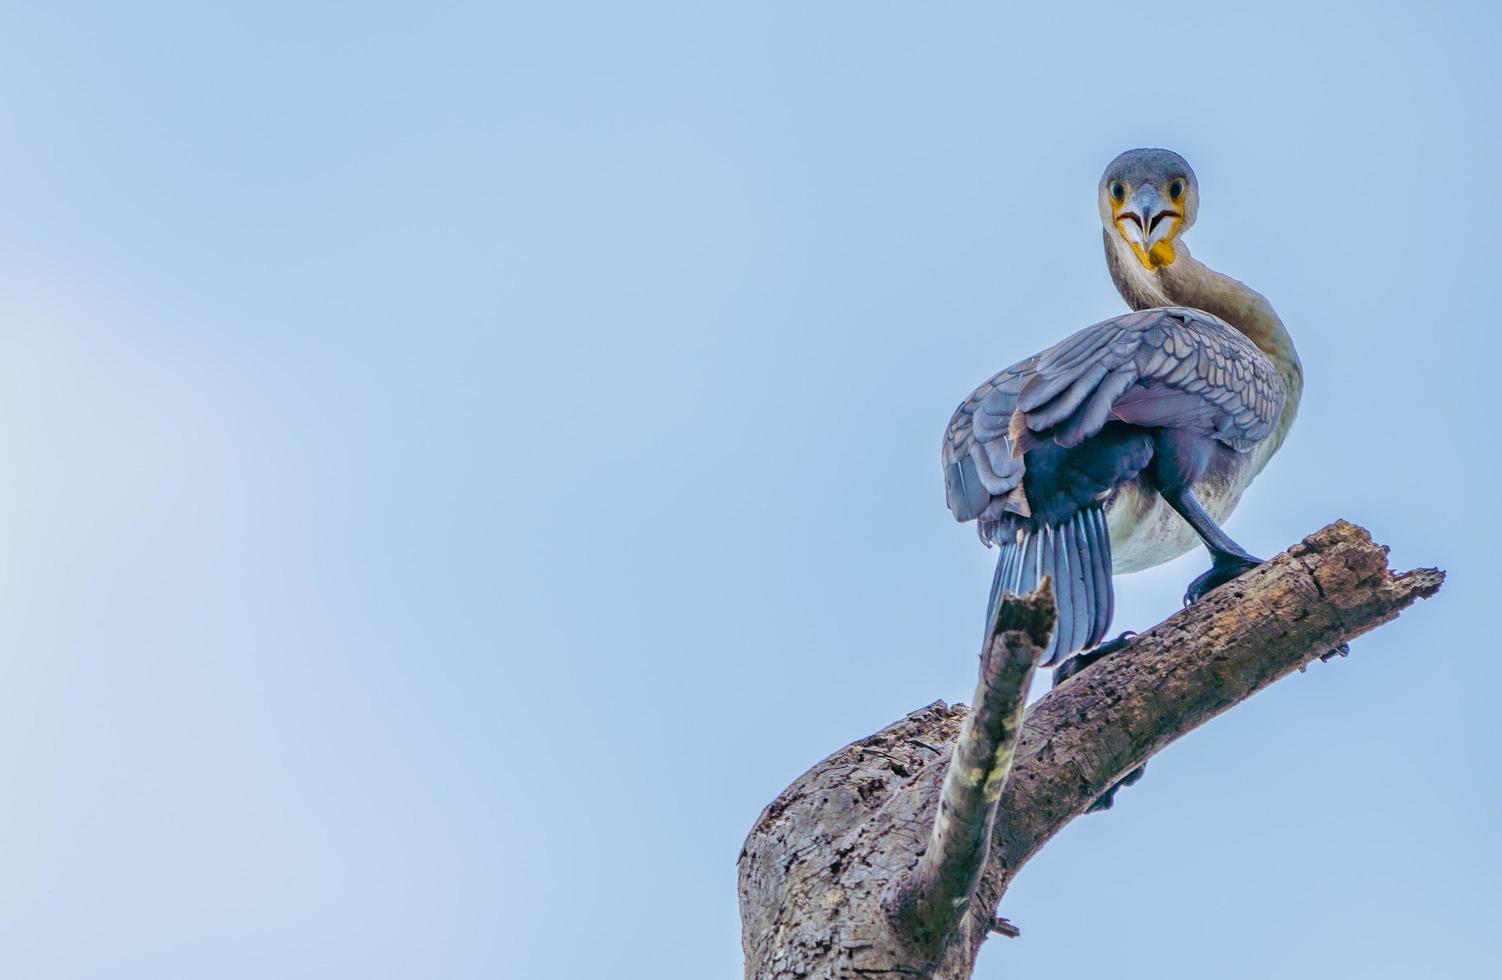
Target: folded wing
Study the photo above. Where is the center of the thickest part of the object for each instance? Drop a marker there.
(1170, 367)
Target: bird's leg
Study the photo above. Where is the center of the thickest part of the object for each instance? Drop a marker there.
(1228, 559)
(1073, 666)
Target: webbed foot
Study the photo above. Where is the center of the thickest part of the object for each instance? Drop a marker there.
(1073, 666)
(1222, 571)
(1085, 658)
(1108, 798)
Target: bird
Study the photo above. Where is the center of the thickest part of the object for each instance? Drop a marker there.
(1125, 444)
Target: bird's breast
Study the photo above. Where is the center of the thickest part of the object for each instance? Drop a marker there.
(1146, 531)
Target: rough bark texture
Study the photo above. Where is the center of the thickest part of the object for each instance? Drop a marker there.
(823, 870)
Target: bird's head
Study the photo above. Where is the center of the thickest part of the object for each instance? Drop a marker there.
(1148, 198)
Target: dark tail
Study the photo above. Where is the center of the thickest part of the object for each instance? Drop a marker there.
(1077, 555)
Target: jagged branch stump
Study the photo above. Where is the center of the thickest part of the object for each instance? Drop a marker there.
(840, 876)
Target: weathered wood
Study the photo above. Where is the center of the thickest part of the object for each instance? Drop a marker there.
(929, 901)
(819, 862)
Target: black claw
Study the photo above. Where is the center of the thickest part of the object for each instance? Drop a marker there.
(1340, 651)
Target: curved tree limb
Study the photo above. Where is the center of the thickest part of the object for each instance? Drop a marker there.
(823, 870)
(1276, 619)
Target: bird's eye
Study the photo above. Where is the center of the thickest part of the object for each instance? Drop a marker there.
(1118, 191)
(1176, 189)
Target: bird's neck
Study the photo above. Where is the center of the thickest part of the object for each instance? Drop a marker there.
(1189, 282)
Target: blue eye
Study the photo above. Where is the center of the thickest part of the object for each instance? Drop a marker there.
(1176, 189)
(1118, 191)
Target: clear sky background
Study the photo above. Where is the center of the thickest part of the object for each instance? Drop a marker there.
(462, 462)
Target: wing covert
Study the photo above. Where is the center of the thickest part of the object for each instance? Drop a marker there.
(1171, 367)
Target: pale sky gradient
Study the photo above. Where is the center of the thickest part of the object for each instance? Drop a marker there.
(463, 461)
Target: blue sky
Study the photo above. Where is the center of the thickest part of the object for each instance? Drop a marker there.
(463, 461)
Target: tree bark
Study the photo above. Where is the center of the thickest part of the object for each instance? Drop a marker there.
(880, 861)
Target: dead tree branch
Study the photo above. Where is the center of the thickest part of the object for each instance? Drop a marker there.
(926, 903)
(846, 873)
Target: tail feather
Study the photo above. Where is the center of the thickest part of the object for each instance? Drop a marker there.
(1074, 559)
(1100, 545)
(1063, 589)
(1087, 573)
(1077, 556)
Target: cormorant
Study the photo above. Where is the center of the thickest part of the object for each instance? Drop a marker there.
(1117, 448)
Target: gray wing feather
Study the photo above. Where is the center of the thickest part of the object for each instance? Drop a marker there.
(1171, 367)
(981, 472)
